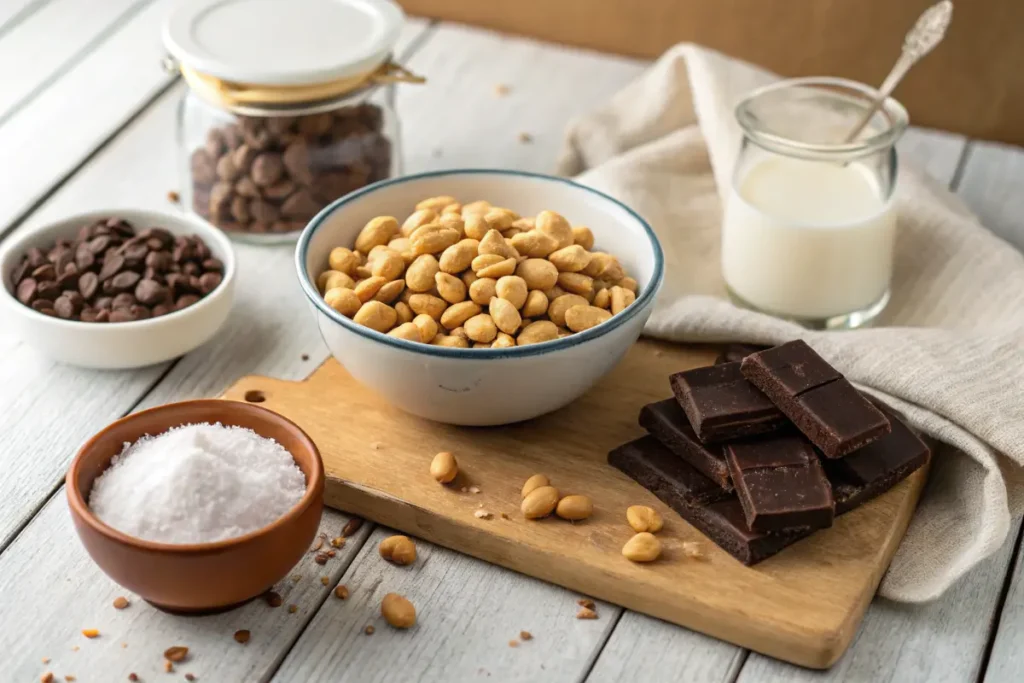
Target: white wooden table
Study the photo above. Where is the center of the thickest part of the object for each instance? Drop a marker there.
(87, 121)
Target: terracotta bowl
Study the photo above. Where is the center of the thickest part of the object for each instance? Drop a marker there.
(199, 577)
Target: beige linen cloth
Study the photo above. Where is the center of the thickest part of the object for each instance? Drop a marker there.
(949, 351)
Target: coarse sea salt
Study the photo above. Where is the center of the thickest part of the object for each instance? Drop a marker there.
(197, 483)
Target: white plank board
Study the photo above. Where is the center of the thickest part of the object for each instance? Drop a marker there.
(458, 120)
(52, 40)
(53, 590)
(992, 185)
(14, 12)
(49, 137)
(467, 611)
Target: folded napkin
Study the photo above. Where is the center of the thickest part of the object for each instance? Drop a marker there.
(948, 352)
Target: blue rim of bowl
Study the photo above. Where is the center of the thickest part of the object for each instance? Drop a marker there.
(313, 294)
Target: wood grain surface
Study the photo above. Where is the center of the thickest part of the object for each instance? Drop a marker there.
(802, 606)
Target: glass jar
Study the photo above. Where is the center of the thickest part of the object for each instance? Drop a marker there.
(262, 174)
(809, 226)
(287, 107)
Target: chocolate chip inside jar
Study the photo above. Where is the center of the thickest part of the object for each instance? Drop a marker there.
(273, 174)
(112, 273)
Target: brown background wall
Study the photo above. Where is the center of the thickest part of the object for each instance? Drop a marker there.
(973, 83)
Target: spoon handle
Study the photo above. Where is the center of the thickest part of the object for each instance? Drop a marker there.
(899, 70)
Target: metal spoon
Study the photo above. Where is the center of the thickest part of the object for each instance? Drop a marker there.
(920, 40)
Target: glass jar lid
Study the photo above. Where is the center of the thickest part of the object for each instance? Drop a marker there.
(283, 44)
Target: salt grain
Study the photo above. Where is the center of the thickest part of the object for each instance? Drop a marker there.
(196, 484)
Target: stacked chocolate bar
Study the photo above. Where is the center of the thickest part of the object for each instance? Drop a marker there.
(767, 446)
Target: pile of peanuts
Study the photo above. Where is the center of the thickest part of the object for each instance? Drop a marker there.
(475, 275)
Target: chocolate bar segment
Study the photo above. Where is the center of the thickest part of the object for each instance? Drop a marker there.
(780, 484)
(667, 422)
(820, 401)
(724, 523)
(722, 405)
(665, 474)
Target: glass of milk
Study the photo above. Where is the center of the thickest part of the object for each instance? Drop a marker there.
(809, 226)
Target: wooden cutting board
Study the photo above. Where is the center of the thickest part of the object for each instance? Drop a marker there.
(803, 605)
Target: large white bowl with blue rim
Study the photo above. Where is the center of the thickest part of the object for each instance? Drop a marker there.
(483, 386)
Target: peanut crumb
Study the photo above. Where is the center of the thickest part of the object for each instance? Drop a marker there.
(242, 636)
(474, 489)
(74, 648)
(513, 643)
(585, 602)
(325, 580)
(351, 526)
(69, 678)
(133, 676)
(47, 677)
(273, 598)
(482, 514)
(173, 196)
(168, 667)
(123, 645)
(331, 553)
(46, 660)
(341, 592)
(369, 630)
(120, 602)
(296, 578)
(586, 613)
(464, 489)
(176, 653)
(189, 677)
(321, 558)
(292, 609)
(504, 516)
(316, 546)
(337, 541)
(376, 445)
(693, 549)
(91, 632)
(501, 90)
(525, 138)
(525, 635)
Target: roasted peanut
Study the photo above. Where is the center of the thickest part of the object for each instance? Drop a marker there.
(536, 304)
(457, 314)
(405, 314)
(582, 236)
(397, 611)
(469, 277)
(579, 318)
(427, 327)
(475, 226)
(406, 331)
(604, 266)
(505, 316)
(494, 243)
(428, 304)
(343, 260)
(443, 467)
(403, 246)
(620, 299)
(554, 293)
(447, 340)
(577, 283)
(363, 272)
(451, 288)
(538, 273)
(419, 277)
(343, 300)
(500, 219)
(540, 502)
(480, 206)
(525, 224)
(603, 298)
(499, 269)
(389, 291)
(629, 283)
(535, 482)
(398, 549)
(329, 279)
(558, 307)
(388, 265)
(378, 231)
(436, 203)
(503, 341)
(574, 508)
(418, 219)
(556, 226)
(459, 331)
(512, 288)
(453, 208)
(481, 328)
(644, 518)
(433, 238)
(571, 259)
(376, 316)
(366, 289)
(459, 256)
(536, 332)
(643, 547)
(534, 243)
(483, 290)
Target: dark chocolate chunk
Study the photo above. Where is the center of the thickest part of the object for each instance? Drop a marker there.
(722, 405)
(820, 401)
(664, 474)
(780, 483)
(724, 523)
(667, 422)
(737, 352)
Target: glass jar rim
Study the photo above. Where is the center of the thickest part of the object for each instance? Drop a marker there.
(891, 110)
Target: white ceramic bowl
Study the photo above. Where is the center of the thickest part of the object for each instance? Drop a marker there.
(483, 386)
(117, 345)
